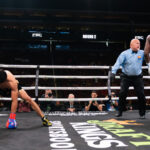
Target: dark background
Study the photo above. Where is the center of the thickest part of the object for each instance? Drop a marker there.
(62, 24)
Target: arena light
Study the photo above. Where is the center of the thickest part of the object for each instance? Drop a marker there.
(37, 34)
(89, 36)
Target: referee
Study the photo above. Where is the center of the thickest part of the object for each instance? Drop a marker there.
(131, 62)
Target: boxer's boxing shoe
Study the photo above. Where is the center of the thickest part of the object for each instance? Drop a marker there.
(46, 122)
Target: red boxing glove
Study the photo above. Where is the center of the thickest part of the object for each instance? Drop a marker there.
(11, 123)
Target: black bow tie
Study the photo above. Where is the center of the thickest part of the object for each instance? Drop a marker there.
(134, 52)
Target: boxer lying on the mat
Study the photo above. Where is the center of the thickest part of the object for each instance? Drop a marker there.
(8, 81)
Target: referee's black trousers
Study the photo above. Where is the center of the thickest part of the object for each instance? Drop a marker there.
(137, 83)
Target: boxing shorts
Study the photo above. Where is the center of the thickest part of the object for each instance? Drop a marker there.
(19, 87)
(3, 76)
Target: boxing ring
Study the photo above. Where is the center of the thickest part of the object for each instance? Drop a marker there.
(74, 131)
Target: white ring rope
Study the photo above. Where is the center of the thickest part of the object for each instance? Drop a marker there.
(57, 67)
(78, 88)
(69, 77)
(53, 66)
(75, 99)
(18, 66)
(62, 77)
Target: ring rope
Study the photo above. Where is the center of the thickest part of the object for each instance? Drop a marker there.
(75, 99)
(70, 77)
(37, 83)
(53, 67)
(78, 88)
(57, 67)
(62, 77)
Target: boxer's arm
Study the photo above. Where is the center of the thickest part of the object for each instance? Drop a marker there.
(147, 49)
(14, 96)
(10, 76)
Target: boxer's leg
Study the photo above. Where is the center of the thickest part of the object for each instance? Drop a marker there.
(34, 105)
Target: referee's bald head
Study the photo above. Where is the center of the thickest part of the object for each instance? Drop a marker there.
(135, 44)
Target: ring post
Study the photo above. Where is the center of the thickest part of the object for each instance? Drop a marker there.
(37, 83)
(109, 84)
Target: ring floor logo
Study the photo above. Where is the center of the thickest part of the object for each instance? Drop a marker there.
(117, 128)
(96, 137)
(95, 134)
(59, 138)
